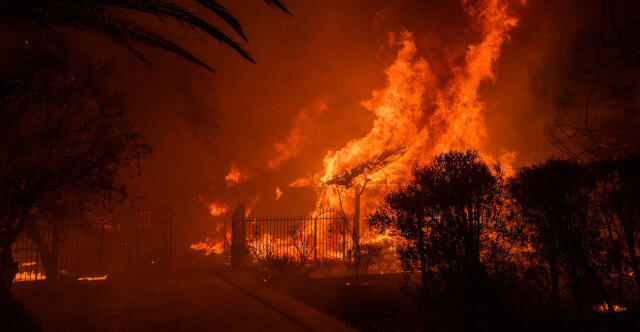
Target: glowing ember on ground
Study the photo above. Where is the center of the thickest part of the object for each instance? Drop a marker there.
(209, 246)
(605, 307)
(104, 277)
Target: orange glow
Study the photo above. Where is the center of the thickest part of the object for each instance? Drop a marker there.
(278, 193)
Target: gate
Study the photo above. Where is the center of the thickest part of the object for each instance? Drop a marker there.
(325, 236)
(137, 242)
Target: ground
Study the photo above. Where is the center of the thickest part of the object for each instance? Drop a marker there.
(202, 299)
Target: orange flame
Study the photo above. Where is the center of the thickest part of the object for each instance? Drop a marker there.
(208, 246)
(299, 135)
(218, 209)
(401, 120)
(251, 205)
(234, 176)
(278, 193)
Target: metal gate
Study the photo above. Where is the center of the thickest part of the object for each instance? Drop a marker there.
(133, 243)
(325, 236)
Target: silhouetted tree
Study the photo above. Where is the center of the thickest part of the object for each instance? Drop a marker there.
(62, 139)
(599, 112)
(554, 199)
(119, 20)
(618, 199)
(443, 214)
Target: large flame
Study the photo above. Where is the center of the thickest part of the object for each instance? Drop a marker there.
(418, 117)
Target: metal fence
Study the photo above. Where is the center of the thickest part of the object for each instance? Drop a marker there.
(325, 236)
(137, 242)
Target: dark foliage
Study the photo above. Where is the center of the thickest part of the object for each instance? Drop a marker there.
(63, 141)
(119, 20)
(443, 214)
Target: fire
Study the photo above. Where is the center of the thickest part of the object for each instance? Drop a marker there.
(604, 307)
(418, 117)
(234, 176)
(298, 136)
(302, 182)
(278, 193)
(28, 276)
(217, 209)
(209, 246)
(251, 205)
(104, 277)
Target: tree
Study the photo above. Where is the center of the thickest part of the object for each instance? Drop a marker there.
(112, 19)
(599, 113)
(443, 214)
(554, 202)
(618, 199)
(63, 140)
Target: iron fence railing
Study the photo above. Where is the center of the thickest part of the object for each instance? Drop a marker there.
(133, 243)
(325, 236)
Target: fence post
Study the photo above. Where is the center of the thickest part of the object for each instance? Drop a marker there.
(315, 238)
(237, 236)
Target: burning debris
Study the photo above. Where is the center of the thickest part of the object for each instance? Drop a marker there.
(209, 246)
(235, 176)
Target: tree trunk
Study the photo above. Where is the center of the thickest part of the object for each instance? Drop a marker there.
(553, 272)
(49, 253)
(422, 254)
(627, 226)
(356, 229)
(8, 268)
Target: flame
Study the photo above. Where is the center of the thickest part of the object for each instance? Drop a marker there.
(604, 307)
(29, 276)
(302, 182)
(299, 135)
(251, 205)
(218, 209)
(104, 277)
(208, 246)
(278, 193)
(234, 176)
(418, 117)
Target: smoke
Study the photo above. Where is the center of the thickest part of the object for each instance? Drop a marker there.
(276, 121)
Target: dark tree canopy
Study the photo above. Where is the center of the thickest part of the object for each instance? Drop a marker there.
(64, 141)
(442, 215)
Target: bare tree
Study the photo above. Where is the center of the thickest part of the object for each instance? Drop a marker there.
(599, 104)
